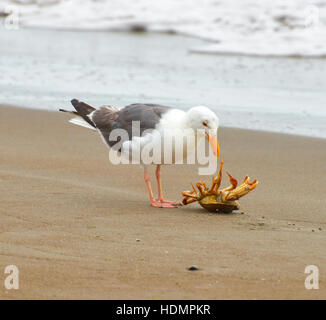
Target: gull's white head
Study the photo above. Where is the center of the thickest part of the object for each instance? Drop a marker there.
(201, 117)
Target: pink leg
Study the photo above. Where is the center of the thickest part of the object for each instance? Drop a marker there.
(150, 192)
(159, 188)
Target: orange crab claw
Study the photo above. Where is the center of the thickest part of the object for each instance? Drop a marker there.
(253, 185)
(246, 179)
(234, 182)
(253, 182)
(240, 191)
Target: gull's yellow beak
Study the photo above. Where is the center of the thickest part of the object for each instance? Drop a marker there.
(212, 139)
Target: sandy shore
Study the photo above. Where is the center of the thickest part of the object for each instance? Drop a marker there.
(78, 227)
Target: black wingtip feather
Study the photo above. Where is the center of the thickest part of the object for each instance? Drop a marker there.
(83, 110)
(74, 102)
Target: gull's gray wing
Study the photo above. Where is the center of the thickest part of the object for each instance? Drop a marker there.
(108, 118)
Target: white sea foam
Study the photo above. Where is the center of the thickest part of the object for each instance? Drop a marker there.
(250, 27)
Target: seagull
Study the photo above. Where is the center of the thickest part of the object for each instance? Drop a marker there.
(154, 121)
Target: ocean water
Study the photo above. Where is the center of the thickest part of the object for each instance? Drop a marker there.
(239, 57)
(45, 69)
(250, 27)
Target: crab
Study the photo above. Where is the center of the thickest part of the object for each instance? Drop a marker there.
(213, 199)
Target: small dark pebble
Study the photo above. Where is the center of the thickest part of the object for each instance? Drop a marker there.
(312, 230)
(320, 229)
(193, 268)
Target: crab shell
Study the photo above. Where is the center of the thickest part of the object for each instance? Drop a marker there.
(214, 203)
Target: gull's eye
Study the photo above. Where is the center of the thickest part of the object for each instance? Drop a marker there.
(205, 123)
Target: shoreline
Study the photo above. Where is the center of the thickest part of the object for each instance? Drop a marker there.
(224, 127)
(78, 227)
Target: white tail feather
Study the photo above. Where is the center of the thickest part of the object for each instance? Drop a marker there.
(81, 122)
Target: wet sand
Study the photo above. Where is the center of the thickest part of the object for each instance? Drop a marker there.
(78, 227)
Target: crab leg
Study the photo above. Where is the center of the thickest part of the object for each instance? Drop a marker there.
(186, 201)
(217, 180)
(190, 194)
(204, 185)
(201, 187)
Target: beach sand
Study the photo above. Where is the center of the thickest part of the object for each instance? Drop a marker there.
(77, 226)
